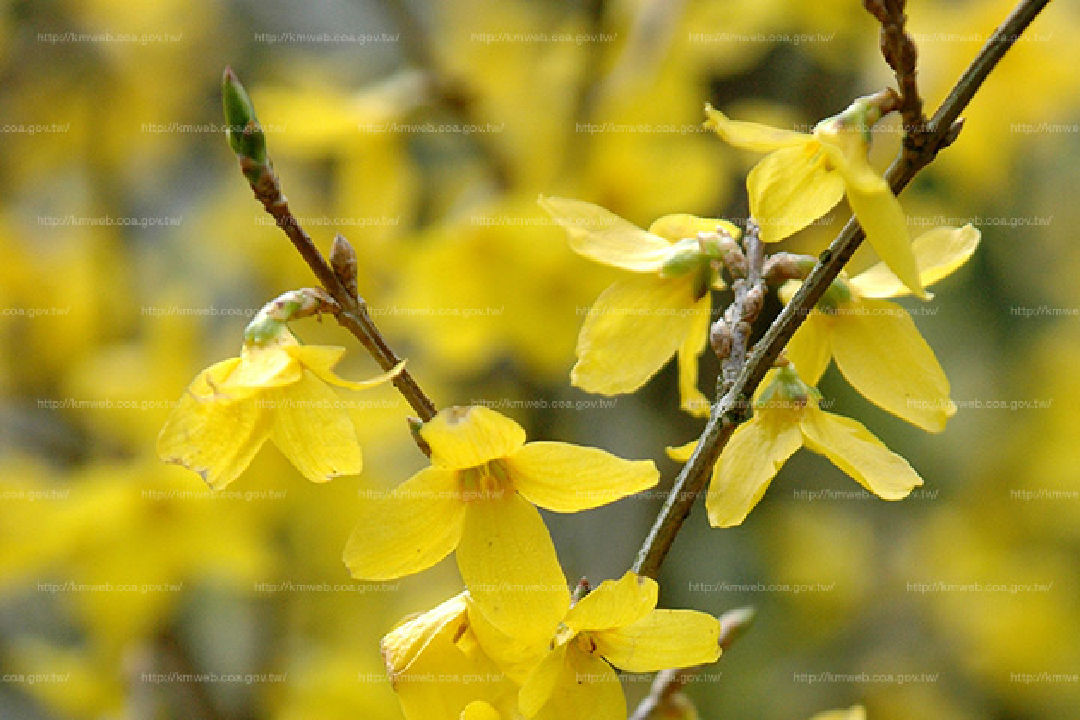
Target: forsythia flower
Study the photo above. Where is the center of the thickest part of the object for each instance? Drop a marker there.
(786, 417)
(637, 324)
(428, 658)
(875, 343)
(614, 625)
(805, 175)
(855, 712)
(478, 497)
(276, 389)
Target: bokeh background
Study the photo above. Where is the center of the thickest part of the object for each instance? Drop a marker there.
(133, 256)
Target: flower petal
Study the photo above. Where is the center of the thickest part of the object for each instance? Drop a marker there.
(213, 434)
(852, 448)
(855, 712)
(514, 656)
(464, 437)
(681, 453)
(754, 454)
(810, 349)
(508, 562)
(568, 478)
(403, 645)
(678, 226)
(881, 353)
(692, 400)
(883, 220)
(632, 330)
(407, 530)
(541, 683)
(791, 188)
(603, 236)
(321, 359)
(588, 689)
(480, 710)
(662, 639)
(938, 253)
(614, 603)
(751, 136)
(265, 367)
(313, 430)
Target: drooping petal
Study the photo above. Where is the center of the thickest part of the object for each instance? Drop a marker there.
(588, 689)
(614, 603)
(211, 433)
(632, 330)
(691, 399)
(751, 136)
(313, 430)
(408, 529)
(402, 646)
(321, 359)
(541, 682)
(568, 478)
(464, 437)
(791, 188)
(754, 454)
(661, 639)
(881, 353)
(508, 562)
(265, 367)
(938, 253)
(879, 212)
(810, 349)
(681, 453)
(852, 448)
(603, 236)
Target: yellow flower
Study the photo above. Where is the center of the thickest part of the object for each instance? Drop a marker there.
(614, 625)
(477, 496)
(440, 672)
(855, 712)
(276, 389)
(637, 324)
(875, 342)
(787, 417)
(806, 174)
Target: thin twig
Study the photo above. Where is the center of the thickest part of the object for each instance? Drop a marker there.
(899, 51)
(731, 408)
(246, 139)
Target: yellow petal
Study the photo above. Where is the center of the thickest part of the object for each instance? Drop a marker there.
(588, 689)
(464, 437)
(509, 565)
(313, 430)
(681, 453)
(516, 657)
(614, 603)
(791, 188)
(568, 478)
(321, 359)
(632, 330)
(662, 639)
(677, 226)
(809, 349)
(213, 434)
(754, 454)
(852, 448)
(408, 529)
(603, 236)
(751, 136)
(881, 353)
(480, 710)
(692, 400)
(542, 681)
(938, 253)
(402, 646)
(265, 367)
(880, 214)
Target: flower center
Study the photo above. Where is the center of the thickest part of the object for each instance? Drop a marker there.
(490, 481)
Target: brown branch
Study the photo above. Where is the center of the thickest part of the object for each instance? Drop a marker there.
(730, 409)
(246, 139)
(899, 51)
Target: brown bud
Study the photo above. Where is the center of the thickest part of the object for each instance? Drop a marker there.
(720, 338)
(343, 261)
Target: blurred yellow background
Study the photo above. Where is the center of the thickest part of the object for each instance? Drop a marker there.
(133, 255)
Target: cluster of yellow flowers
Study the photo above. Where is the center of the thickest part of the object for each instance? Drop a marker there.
(527, 648)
